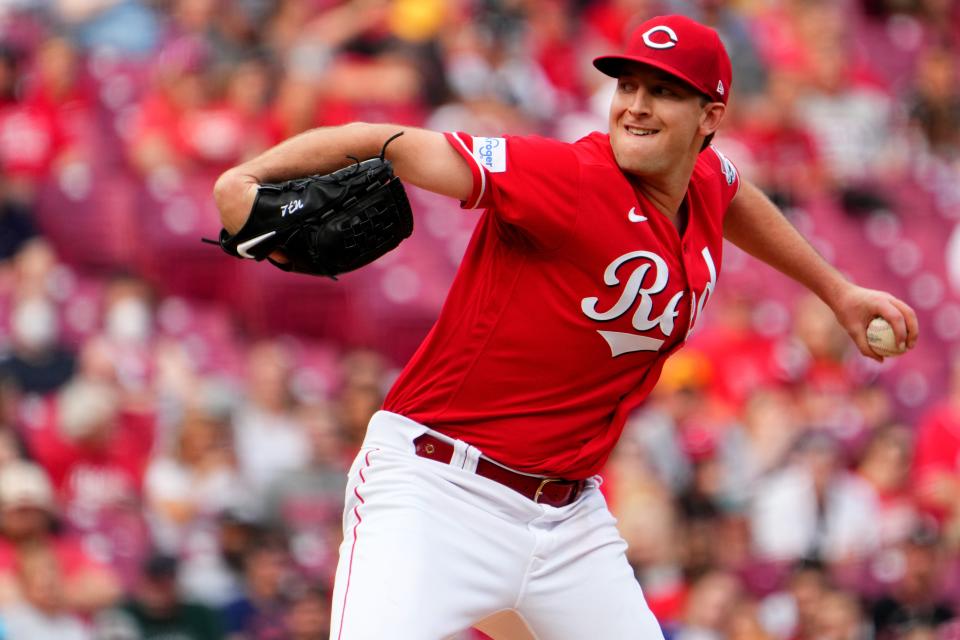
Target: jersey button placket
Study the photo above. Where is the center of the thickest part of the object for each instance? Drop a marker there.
(684, 274)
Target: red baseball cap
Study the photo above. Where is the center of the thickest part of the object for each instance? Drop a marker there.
(681, 47)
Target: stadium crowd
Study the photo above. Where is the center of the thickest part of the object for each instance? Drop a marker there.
(175, 425)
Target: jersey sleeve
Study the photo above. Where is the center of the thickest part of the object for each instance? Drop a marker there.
(729, 177)
(532, 183)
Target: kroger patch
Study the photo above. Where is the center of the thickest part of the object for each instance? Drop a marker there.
(491, 153)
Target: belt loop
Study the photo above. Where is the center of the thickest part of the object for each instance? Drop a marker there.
(465, 456)
(459, 453)
(471, 458)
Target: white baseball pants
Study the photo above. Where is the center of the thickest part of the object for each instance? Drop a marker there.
(430, 548)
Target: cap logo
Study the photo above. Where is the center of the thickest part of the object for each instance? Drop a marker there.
(720, 87)
(647, 40)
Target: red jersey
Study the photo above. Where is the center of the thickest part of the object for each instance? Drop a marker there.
(937, 452)
(573, 292)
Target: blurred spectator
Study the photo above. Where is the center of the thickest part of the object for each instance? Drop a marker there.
(123, 355)
(41, 614)
(550, 26)
(35, 269)
(791, 613)
(822, 338)
(157, 612)
(181, 388)
(839, 617)
(648, 522)
(38, 128)
(307, 35)
(386, 88)
(188, 487)
(179, 130)
(915, 600)
(356, 402)
(308, 616)
(702, 495)
(679, 403)
(59, 86)
(850, 116)
(365, 367)
(347, 51)
(700, 526)
(814, 507)
(269, 440)
(38, 363)
(261, 613)
(229, 27)
(128, 316)
(781, 30)
(294, 108)
(308, 503)
(213, 562)
(824, 385)
(485, 61)
(96, 454)
(228, 124)
(744, 623)
(246, 96)
(87, 455)
(784, 155)
(936, 467)
(885, 465)
(756, 445)
(875, 407)
(935, 104)
(708, 605)
(28, 521)
(739, 356)
(612, 20)
(128, 27)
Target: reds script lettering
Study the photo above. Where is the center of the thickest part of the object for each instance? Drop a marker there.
(707, 289)
(637, 288)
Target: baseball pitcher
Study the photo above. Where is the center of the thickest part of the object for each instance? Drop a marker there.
(476, 490)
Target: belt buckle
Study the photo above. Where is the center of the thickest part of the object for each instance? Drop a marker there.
(543, 483)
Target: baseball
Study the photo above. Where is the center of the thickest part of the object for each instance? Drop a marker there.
(881, 338)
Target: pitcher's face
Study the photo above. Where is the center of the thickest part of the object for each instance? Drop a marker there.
(656, 120)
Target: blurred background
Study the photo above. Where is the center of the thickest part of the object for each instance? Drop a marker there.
(175, 425)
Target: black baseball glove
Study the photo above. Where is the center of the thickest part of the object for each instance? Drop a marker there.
(326, 225)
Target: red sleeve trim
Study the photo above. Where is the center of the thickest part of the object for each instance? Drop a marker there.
(463, 143)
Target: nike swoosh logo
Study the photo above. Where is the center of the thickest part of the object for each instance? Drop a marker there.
(243, 247)
(633, 216)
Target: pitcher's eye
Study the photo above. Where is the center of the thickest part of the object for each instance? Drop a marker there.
(663, 90)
